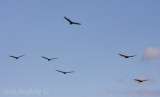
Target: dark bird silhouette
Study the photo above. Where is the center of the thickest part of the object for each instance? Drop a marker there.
(48, 58)
(64, 72)
(17, 57)
(126, 56)
(71, 21)
(140, 80)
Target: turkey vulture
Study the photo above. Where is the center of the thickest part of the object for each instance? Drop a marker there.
(126, 56)
(17, 57)
(64, 72)
(140, 80)
(71, 21)
(48, 58)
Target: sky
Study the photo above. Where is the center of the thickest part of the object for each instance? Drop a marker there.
(37, 28)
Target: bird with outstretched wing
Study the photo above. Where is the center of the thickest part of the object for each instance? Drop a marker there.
(17, 57)
(48, 58)
(71, 21)
(138, 80)
(64, 72)
(126, 56)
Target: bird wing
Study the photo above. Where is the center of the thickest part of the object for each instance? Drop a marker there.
(68, 19)
(137, 80)
(144, 80)
(44, 57)
(122, 55)
(76, 23)
(70, 72)
(132, 56)
(54, 58)
(59, 71)
(21, 56)
(13, 56)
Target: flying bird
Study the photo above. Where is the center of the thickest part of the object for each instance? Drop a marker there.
(126, 56)
(71, 21)
(64, 72)
(140, 80)
(48, 58)
(17, 57)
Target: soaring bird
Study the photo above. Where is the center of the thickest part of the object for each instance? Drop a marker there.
(71, 21)
(126, 56)
(64, 72)
(17, 57)
(48, 58)
(140, 80)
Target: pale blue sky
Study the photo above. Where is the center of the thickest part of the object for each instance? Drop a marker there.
(37, 28)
